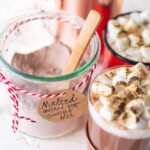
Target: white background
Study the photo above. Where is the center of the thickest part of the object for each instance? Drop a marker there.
(8, 140)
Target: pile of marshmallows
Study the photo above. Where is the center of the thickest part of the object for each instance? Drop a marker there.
(131, 34)
(122, 96)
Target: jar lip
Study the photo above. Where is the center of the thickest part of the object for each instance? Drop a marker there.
(95, 42)
(112, 50)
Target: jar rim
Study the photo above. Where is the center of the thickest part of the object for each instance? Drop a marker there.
(95, 42)
(113, 52)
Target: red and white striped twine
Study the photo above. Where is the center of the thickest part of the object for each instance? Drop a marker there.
(58, 18)
(13, 93)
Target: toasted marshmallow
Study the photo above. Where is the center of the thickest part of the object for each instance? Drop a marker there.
(146, 36)
(107, 113)
(147, 89)
(138, 18)
(122, 43)
(133, 91)
(122, 118)
(99, 88)
(123, 71)
(135, 40)
(104, 79)
(121, 94)
(110, 74)
(114, 28)
(145, 83)
(122, 34)
(145, 52)
(133, 51)
(144, 100)
(135, 108)
(106, 90)
(146, 15)
(133, 79)
(122, 20)
(140, 70)
(146, 114)
(104, 100)
(95, 88)
(113, 23)
(119, 80)
(131, 26)
(117, 102)
(134, 122)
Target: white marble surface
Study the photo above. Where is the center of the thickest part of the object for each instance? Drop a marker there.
(9, 140)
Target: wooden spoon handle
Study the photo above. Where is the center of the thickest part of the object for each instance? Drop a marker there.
(83, 40)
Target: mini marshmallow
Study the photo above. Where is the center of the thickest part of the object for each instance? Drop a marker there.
(122, 34)
(140, 70)
(99, 88)
(146, 15)
(146, 114)
(107, 113)
(145, 83)
(106, 90)
(135, 40)
(122, 20)
(146, 36)
(104, 100)
(119, 80)
(141, 100)
(134, 122)
(95, 88)
(117, 102)
(122, 117)
(104, 79)
(133, 91)
(138, 18)
(110, 74)
(121, 94)
(123, 71)
(133, 79)
(131, 26)
(135, 108)
(133, 51)
(114, 28)
(144, 100)
(147, 89)
(122, 43)
(145, 52)
(113, 23)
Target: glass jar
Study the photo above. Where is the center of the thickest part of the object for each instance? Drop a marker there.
(27, 34)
